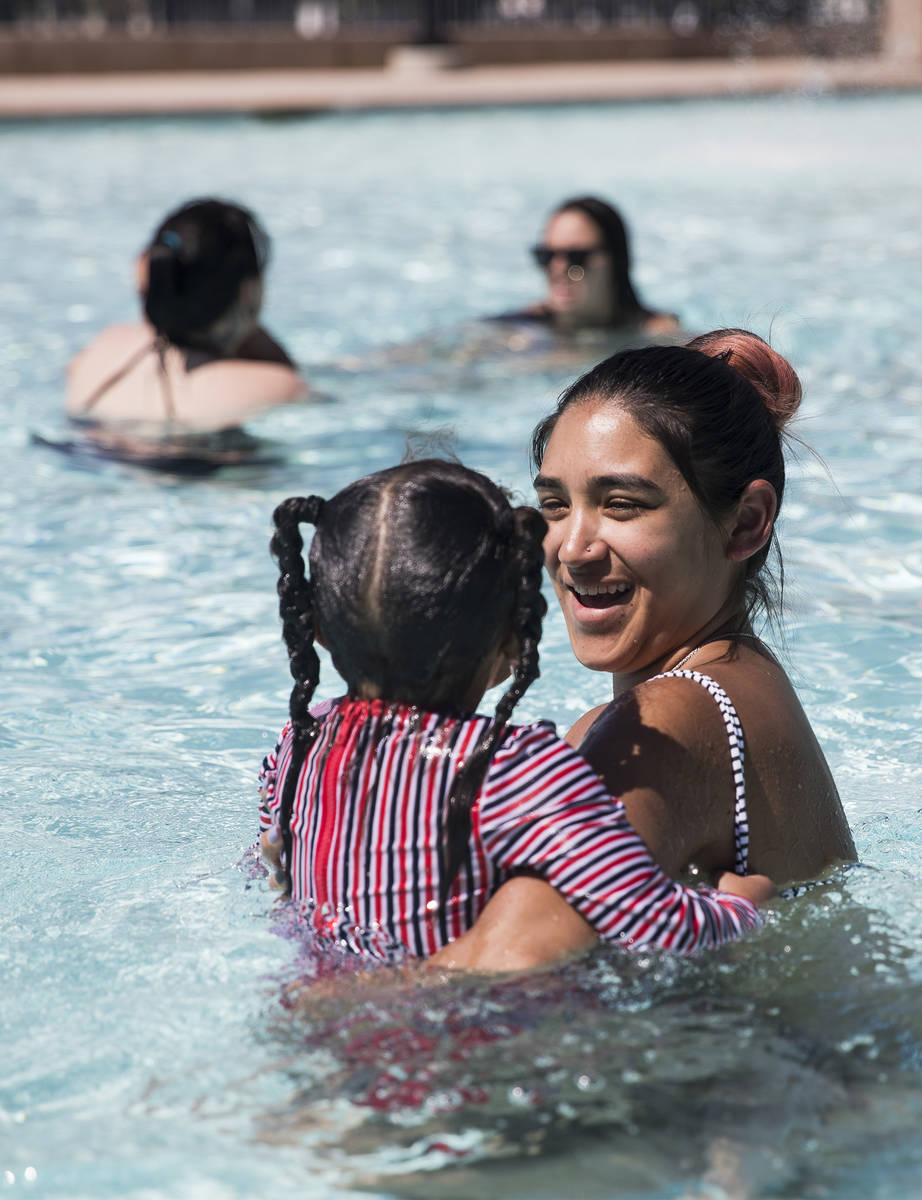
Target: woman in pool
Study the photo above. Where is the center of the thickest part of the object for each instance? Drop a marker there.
(199, 362)
(396, 811)
(661, 474)
(585, 255)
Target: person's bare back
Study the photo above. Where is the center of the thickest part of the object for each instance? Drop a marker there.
(154, 389)
(198, 362)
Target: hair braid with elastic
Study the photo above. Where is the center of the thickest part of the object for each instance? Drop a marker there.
(296, 608)
(524, 528)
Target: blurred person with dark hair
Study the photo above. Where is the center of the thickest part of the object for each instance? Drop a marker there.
(198, 362)
(585, 255)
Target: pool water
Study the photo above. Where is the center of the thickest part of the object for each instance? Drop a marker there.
(150, 1048)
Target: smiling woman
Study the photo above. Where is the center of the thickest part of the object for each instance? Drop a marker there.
(585, 256)
(660, 475)
(627, 550)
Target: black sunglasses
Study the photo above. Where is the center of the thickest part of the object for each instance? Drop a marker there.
(576, 256)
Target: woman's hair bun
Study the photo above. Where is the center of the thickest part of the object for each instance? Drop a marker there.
(770, 374)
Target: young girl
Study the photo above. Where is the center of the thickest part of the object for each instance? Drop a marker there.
(396, 811)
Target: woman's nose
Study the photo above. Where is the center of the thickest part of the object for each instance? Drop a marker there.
(581, 543)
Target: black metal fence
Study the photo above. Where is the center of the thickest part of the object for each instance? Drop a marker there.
(429, 19)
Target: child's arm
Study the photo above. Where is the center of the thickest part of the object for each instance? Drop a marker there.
(528, 925)
(270, 841)
(542, 809)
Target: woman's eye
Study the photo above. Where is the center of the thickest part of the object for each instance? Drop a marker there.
(550, 504)
(621, 504)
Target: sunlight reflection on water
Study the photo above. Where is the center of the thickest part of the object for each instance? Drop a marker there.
(145, 675)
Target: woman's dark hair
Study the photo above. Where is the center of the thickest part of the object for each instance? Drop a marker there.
(718, 407)
(197, 260)
(626, 305)
(416, 574)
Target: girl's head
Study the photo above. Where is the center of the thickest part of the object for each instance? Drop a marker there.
(422, 577)
(587, 259)
(660, 473)
(201, 275)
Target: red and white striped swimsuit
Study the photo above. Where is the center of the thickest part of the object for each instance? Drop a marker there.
(367, 827)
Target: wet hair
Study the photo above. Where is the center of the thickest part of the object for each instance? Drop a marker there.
(625, 302)
(718, 406)
(417, 573)
(197, 260)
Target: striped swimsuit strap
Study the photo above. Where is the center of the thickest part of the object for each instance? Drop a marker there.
(737, 762)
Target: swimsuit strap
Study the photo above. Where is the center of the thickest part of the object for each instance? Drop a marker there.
(737, 762)
(158, 345)
(113, 379)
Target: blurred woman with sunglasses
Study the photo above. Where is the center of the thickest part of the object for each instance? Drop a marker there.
(585, 255)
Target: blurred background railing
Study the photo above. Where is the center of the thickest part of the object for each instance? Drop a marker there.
(196, 33)
(316, 17)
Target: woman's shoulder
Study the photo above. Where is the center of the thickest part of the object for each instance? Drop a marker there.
(230, 390)
(668, 704)
(122, 338)
(103, 356)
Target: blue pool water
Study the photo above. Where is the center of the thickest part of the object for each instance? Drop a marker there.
(146, 1051)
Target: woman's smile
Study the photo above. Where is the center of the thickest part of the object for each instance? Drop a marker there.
(599, 597)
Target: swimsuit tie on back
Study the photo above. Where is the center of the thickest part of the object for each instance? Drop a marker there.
(737, 762)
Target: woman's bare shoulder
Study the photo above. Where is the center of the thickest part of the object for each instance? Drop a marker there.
(580, 728)
(103, 356)
(246, 387)
(670, 705)
(121, 337)
(661, 747)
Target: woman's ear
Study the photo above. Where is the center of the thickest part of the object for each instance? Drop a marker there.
(141, 272)
(752, 522)
(250, 297)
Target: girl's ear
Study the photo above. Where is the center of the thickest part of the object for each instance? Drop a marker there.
(505, 657)
(753, 519)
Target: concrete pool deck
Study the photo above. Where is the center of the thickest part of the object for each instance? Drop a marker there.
(293, 91)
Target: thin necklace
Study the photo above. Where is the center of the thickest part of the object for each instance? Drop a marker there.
(691, 654)
(682, 661)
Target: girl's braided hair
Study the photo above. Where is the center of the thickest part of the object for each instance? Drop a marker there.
(418, 574)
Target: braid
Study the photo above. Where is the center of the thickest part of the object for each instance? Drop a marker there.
(526, 528)
(296, 608)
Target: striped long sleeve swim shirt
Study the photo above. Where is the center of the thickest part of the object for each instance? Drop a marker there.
(367, 829)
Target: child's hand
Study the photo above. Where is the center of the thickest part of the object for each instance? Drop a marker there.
(758, 889)
(270, 845)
